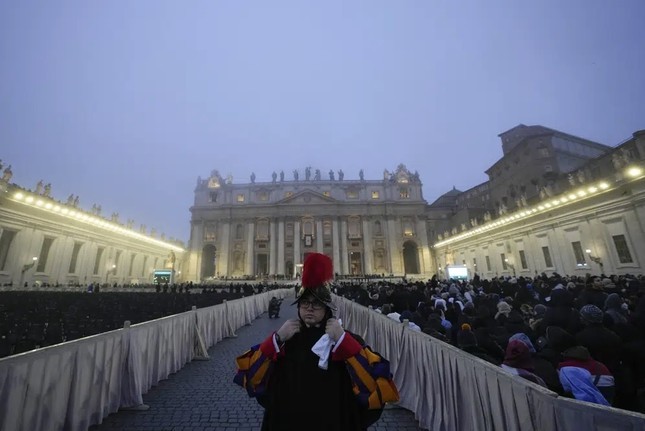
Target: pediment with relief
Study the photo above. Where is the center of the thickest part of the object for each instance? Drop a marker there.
(306, 197)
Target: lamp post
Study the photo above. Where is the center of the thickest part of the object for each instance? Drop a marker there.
(595, 259)
(30, 265)
(26, 267)
(510, 265)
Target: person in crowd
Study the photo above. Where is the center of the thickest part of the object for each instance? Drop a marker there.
(601, 377)
(542, 367)
(578, 382)
(311, 373)
(603, 345)
(467, 342)
(518, 362)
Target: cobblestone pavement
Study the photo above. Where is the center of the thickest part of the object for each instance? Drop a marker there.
(203, 397)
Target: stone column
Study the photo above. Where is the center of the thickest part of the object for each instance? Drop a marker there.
(272, 247)
(250, 251)
(343, 247)
(336, 246)
(367, 248)
(424, 256)
(319, 236)
(280, 269)
(393, 247)
(222, 260)
(296, 245)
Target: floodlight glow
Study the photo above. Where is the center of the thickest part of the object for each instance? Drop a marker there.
(634, 171)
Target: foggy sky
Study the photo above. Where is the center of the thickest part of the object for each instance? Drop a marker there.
(126, 103)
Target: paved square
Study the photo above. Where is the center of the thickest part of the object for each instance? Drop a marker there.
(203, 397)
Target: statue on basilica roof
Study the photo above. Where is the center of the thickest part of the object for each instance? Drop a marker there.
(7, 174)
(274, 176)
(281, 176)
(331, 175)
(308, 173)
(317, 175)
(215, 180)
(361, 175)
(48, 190)
(295, 175)
(341, 175)
(252, 177)
(39, 187)
(402, 174)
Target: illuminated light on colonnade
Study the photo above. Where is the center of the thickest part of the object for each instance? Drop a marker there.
(564, 199)
(83, 217)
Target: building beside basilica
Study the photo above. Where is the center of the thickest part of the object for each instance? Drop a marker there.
(553, 203)
(47, 242)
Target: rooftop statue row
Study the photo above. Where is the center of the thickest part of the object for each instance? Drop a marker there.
(45, 190)
(400, 175)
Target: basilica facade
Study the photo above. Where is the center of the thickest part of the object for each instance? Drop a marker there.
(268, 228)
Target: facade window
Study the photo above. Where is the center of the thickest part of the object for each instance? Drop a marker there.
(212, 196)
(547, 257)
(327, 193)
(354, 227)
(543, 152)
(578, 254)
(487, 263)
(404, 193)
(210, 232)
(44, 254)
(375, 194)
(548, 168)
(5, 244)
(263, 196)
(97, 260)
(239, 231)
(351, 194)
(624, 255)
(474, 263)
(378, 229)
(523, 260)
(72, 262)
(289, 230)
(240, 198)
(327, 228)
(288, 194)
(503, 257)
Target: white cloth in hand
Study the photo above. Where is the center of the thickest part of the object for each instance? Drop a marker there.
(322, 349)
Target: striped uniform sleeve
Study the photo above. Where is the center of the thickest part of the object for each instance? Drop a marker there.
(370, 373)
(255, 365)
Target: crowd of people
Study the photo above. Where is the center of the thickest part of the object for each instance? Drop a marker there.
(34, 319)
(582, 337)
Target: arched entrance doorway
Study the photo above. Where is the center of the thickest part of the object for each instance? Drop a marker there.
(208, 261)
(410, 258)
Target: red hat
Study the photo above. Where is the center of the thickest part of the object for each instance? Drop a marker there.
(317, 271)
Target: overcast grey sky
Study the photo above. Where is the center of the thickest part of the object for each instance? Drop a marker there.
(126, 103)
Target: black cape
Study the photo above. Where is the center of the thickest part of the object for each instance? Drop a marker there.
(301, 396)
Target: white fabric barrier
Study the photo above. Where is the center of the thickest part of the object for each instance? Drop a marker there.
(74, 385)
(449, 389)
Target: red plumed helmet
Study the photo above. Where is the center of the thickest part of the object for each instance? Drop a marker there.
(316, 271)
